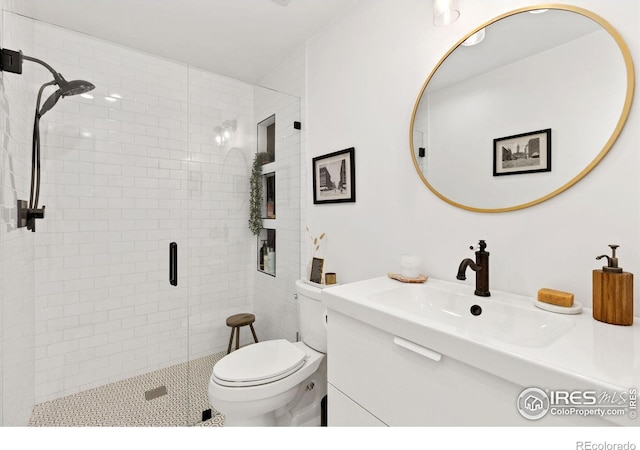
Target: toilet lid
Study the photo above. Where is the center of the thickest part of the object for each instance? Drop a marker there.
(259, 363)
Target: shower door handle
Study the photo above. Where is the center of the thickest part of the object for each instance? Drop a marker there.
(173, 264)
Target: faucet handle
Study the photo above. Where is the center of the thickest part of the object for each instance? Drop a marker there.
(482, 245)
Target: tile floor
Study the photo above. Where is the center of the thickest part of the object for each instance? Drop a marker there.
(123, 404)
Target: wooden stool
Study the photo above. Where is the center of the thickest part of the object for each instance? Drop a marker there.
(235, 322)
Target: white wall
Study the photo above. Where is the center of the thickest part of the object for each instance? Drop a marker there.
(364, 74)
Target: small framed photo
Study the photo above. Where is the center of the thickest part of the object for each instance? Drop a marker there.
(317, 264)
(334, 177)
(522, 153)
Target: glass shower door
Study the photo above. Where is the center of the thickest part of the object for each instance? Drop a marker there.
(222, 278)
(218, 270)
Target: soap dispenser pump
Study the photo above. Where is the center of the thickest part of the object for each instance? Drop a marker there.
(612, 292)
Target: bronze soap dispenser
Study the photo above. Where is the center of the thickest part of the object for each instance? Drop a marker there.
(612, 292)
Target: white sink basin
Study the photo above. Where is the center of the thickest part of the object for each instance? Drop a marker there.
(453, 306)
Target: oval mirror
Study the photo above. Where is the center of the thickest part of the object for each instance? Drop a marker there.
(526, 112)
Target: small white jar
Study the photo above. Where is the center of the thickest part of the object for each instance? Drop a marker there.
(410, 266)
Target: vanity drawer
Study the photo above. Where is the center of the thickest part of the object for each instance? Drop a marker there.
(402, 383)
(405, 384)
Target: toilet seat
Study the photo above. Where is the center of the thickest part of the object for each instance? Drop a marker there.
(260, 363)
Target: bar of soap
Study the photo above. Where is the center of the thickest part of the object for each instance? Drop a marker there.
(554, 297)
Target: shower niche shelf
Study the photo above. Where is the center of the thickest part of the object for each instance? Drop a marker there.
(269, 189)
(267, 251)
(266, 244)
(276, 141)
(267, 138)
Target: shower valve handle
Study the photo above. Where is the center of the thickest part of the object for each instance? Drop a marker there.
(32, 215)
(27, 216)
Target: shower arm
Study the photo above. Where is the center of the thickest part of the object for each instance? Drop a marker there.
(56, 76)
(11, 61)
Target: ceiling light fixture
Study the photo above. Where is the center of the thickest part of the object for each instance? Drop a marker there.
(445, 12)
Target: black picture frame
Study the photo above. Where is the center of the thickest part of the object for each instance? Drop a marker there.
(522, 153)
(334, 177)
(317, 265)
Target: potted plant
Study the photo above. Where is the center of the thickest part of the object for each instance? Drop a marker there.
(255, 193)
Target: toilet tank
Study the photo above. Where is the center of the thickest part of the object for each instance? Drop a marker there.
(311, 316)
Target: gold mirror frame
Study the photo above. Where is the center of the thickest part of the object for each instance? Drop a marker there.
(614, 136)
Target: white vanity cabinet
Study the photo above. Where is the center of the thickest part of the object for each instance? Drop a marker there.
(378, 378)
(418, 355)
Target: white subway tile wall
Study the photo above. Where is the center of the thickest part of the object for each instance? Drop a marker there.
(275, 299)
(17, 336)
(127, 170)
(290, 77)
(276, 314)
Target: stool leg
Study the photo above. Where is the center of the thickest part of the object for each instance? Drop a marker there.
(237, 338)
(255, 338)
(231, 340)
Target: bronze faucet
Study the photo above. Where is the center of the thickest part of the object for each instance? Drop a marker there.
(480, 267)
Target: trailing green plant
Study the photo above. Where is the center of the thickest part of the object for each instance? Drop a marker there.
(255, 193)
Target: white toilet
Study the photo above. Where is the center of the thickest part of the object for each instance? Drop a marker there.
(276, 382)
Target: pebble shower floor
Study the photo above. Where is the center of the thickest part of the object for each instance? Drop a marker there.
(123, 404)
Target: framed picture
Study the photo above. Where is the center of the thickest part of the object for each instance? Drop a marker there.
(317, 265)
(334, 177)
(522, 153)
